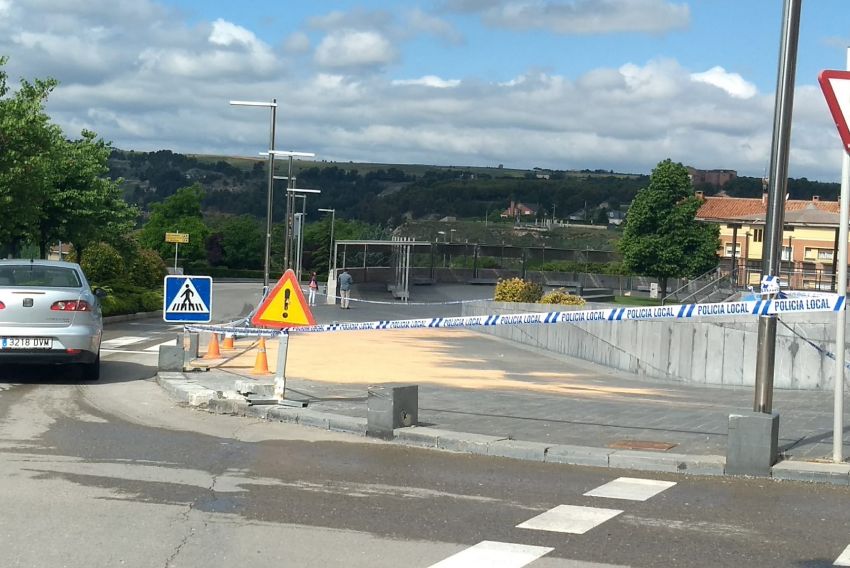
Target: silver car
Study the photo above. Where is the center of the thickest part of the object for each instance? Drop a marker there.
(49, 314)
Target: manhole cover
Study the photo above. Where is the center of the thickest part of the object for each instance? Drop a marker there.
(641, 445)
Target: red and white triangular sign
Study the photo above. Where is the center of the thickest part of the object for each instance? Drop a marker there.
(836, 88)
(284, 306)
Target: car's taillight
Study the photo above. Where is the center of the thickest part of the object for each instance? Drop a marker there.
(2, 306)
(71, 306)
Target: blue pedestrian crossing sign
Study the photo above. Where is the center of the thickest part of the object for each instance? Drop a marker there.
(187, 299)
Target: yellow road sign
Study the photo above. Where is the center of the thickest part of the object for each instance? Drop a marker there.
(284, 306)
(177, 237)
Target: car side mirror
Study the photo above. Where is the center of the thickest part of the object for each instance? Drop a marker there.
(100, 293)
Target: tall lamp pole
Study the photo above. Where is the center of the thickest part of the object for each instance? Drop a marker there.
(271, 153)
(333, 221)
(287, 255)
(297, 246)
(777, 186)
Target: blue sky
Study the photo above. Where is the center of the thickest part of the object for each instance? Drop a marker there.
(565, 84)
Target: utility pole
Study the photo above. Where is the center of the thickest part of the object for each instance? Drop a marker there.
(777, 188)
(753, 440)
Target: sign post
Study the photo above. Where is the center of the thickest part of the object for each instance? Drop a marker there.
(283, 307)
(836, 90)
(176, 238)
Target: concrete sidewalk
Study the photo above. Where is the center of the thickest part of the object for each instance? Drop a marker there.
(489, 396)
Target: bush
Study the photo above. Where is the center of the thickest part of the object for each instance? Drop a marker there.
(102, 263)
(562, 297)
(148, 269)
(518, 290)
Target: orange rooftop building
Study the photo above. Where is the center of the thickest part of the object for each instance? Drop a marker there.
(809, 239)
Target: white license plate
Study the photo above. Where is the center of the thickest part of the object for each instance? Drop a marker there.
(26, 343)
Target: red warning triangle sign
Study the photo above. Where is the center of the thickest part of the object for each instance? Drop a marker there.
(836, 89)
(284, 306)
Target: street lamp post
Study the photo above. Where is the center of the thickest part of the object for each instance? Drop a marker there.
(297, 247)
(271, 153)
(333, 221)
(287, 259)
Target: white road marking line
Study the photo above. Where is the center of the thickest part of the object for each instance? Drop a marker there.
(631, 488)
(158, 345)
(569, 519)
(121, 341)
(491, 554)
(844, 559)
(125, 351)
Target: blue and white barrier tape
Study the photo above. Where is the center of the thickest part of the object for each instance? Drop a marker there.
(822, 303)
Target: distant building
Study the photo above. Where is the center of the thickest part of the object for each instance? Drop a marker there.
(717, 178)
(809, 238)
(616, 217)
(518, 210)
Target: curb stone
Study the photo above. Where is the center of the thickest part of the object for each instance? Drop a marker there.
(187, 391)
(834, 473)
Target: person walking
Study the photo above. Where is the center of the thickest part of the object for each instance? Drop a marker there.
(345, 282)
(313, 286)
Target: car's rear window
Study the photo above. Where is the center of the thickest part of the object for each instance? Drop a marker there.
(38, 275)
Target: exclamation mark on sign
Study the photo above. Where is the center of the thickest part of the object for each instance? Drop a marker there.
(286, 294)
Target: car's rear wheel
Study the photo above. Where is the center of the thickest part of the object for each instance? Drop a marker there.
(91, 371)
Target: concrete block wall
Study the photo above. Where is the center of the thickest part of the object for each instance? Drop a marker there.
(700, 350)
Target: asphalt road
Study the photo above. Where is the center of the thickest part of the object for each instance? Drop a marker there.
(115, 474)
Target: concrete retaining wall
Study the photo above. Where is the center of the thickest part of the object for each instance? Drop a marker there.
(700, 350)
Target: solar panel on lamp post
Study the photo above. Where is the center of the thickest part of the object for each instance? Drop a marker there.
(273, 106)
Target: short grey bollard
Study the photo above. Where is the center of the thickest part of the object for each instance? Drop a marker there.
(170, 358)
(753, 443)
(390, 407)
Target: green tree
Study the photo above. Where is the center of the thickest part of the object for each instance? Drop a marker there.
(242, 242)
(662, 237)
(102, 263)
(82, 205)
(179, 212)
(51, 188)
(26, 141)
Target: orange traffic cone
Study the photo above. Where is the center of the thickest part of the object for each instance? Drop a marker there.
(213, 351)
(261, 363)
(227, 342)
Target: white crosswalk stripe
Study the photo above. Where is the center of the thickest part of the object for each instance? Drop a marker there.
(121, 341)
(158, 345)
(631, 489)
(570, 519)
(844, 559)
(491, 554)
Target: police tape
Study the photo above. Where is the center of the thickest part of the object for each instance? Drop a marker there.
(820, 303)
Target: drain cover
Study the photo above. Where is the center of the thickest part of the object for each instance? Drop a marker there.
(641, 445)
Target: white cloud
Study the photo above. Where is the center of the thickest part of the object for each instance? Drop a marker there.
(147, 80)
(429, 81)
(351, 48)
(229, 49)
(656, 80)
(5, 8)
(226, 33)
(732, 83)
(429, 24)
(579, 16)
(298, 42)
